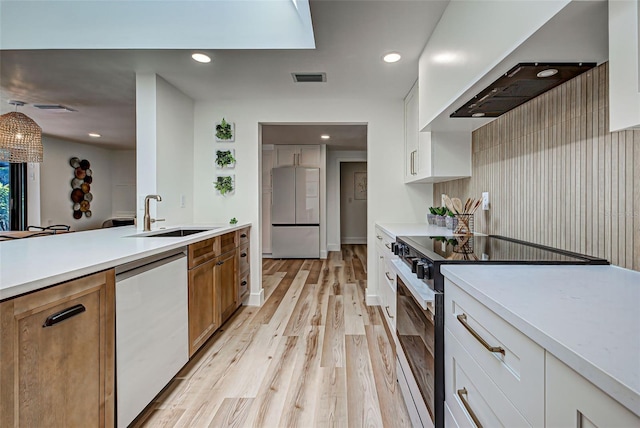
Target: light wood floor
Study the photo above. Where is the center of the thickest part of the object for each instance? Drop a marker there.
(314, 355)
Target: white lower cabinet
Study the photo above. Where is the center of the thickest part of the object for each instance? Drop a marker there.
(574, 402)
(495, 376)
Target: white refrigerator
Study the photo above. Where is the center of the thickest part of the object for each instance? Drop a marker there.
(295, 212)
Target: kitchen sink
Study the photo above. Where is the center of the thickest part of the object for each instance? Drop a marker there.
(173, 233)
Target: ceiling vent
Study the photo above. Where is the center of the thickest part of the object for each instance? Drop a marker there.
(518, 85)
(54, 107)
(309, 77)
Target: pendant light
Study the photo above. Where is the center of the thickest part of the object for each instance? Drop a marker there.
(20, 137)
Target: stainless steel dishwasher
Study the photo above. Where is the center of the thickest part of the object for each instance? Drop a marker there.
(152, 339)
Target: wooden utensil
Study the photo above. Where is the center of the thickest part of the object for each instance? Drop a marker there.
(448, 203)
(457, 204)
(476, 206)
(467, 205)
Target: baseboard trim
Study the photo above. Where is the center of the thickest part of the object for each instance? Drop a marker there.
(267, 256)
(323, 255)
(333, 247)
(255, 299)
(373, 300)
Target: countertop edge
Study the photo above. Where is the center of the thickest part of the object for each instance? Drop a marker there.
(619, 391)
(173, 243)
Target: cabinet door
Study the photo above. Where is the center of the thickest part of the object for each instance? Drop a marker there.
(226, 284)
(573, 401)
(309, 156)
(286, 155)
(204, 318)
(411, 133)
(57, 351)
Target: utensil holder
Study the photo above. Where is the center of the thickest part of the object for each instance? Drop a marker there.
(465, 224)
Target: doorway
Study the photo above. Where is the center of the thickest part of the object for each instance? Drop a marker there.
(353, 202)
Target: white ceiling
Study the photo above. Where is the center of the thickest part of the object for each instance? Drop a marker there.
(351, 37)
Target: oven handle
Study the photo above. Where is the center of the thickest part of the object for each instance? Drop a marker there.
(462, 394)
(462, 318)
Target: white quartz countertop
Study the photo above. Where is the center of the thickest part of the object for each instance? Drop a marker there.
(32, 263)
(587, 316)
(414, 229)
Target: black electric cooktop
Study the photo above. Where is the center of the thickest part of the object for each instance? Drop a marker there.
(492, 248)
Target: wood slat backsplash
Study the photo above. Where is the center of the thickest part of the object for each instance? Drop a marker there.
(557, 177)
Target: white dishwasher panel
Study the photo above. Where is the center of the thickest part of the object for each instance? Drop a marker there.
(152, 339)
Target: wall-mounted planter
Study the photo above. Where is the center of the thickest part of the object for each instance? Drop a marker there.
(225, 184)
(225, 159)
(225, 131)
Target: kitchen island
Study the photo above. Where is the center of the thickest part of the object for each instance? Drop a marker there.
(79, 310)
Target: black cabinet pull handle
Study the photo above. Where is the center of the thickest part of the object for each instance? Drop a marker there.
(220, 263)
(243, 283)
(244, 235)
(63, 315)
(243, 255)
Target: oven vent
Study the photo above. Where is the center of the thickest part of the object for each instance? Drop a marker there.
(309, 77)
(54, 107)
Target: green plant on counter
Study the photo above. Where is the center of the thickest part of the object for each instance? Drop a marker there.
(224, 185)
(223, 130)
(224, 157)
(450, 213)
(441, 211)
(233, 221)
(432, 210)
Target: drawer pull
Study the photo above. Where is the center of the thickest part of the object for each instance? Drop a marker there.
(462, 393)
(243, 283)
(63, 315)
(386, 308)
(243, 255)
(379, 237)
(463, 320)
(388, 246)
(244, 235)
(219, 263)
(390, 278)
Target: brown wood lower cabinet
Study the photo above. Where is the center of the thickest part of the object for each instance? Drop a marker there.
(226, 284)
(204, 315)
(57, 351)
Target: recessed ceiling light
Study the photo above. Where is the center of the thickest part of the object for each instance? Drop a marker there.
(547, 73)
(94, 135)
(200, 57)
(477, 115)
(392, 57)
(325, 137)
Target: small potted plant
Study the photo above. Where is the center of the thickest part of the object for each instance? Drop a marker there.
(233, 221)
(225, 158)
(431, 216)
(224, 131)
(224, 184)
(441, 212)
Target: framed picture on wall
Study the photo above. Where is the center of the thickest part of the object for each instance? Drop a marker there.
(360, 185)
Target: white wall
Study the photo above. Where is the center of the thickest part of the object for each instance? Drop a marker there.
(123, 183)
(55, 183)
(334, 157)
(389, 199)
(353, 212)
(164, 151)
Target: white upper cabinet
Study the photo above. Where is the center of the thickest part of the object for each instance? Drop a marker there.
(298, 155)
(624, 67)
(433, 156)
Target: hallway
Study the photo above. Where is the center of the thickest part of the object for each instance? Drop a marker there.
(314, 355)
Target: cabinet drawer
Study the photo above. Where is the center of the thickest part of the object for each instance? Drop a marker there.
(242, 236)
(227, 242)
(203, 251)
(244, 284)
(243, 259)
(470, 393)
(384, 240)
(516, 366)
